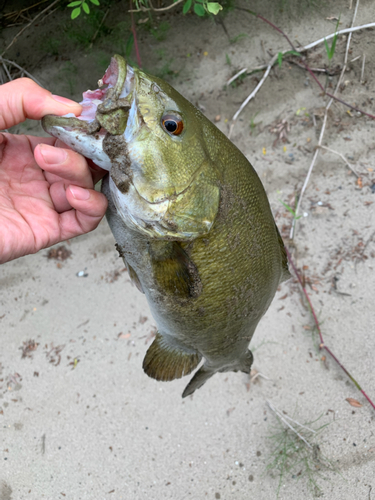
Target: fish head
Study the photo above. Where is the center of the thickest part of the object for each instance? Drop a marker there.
(153, 142)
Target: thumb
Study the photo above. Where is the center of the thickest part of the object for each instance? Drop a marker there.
(23, 98)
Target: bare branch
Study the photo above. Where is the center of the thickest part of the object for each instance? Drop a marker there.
(145, 9)
(341, 156)
(30, 23)
(2, 60)
(292, 231)
(280, 415)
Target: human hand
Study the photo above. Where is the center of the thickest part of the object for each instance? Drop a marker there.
(46, 192)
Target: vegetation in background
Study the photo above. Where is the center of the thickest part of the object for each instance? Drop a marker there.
(295, 453)
(81, 5)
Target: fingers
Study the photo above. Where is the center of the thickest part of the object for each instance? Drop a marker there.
(63, 164)
(90, 207)
(23, 98)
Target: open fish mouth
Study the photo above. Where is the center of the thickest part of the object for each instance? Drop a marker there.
(105, 110)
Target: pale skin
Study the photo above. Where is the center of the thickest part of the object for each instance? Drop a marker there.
(46, 190)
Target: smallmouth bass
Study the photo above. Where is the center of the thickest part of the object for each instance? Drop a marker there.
(191, 220)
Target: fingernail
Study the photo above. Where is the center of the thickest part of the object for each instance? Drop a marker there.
(79, 193)
(63, 100)
(53, 155)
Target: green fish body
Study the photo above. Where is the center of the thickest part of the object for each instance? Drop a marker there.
(190, 217)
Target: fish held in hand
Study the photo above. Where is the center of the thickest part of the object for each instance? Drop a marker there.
(191, 220)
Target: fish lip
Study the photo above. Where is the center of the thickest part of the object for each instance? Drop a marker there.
(96, 103)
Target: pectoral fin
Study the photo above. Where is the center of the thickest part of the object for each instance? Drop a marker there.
(174, 271)
(166, 361)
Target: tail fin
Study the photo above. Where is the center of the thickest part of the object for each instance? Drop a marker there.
(204, 373)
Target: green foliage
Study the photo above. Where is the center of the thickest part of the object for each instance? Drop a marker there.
(238, 37)
(290, 209)
(68, 74)
(202, 7)
(77, 5)
(160, 32)
(254, 124)
(83, 29)
(280, 56)
(166, 71)
(51, 45)
(293, 458)
(122, 38)
(331, 49)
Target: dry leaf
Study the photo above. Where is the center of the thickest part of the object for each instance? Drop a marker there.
(353, 402)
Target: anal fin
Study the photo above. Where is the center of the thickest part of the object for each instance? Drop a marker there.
(165, 361)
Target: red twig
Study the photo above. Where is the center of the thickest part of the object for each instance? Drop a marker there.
(135, 37)
(322, 344)
(305, 64)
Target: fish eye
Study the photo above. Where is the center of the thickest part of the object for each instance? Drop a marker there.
(172, 124)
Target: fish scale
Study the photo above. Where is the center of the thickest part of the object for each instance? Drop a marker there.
(191, 219)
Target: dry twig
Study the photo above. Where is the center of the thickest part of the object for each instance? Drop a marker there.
(341, 156)
(281, 417)
(23, 70)
(97, 31)
(296, 49)
(30, 23)
(292, 231)
(317, 324)
(145, 9)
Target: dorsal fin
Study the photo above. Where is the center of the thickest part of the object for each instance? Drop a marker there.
(166, 361)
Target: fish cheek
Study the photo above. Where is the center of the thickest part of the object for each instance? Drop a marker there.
(173, 270)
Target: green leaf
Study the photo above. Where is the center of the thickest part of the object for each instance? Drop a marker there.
(95, 2)
(333, 46)
(85, 7)
(280, 58)
(129, 46)
(187, 6)
(76, 12)
(214, 8)
(199, 10)
(74, 4)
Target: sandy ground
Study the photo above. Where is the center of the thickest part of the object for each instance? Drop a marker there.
(78, 417)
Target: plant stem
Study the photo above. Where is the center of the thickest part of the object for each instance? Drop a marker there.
(322, 344)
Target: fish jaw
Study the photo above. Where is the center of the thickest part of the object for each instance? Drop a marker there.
(70, 133)
(105, 111)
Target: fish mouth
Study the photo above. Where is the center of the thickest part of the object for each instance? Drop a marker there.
(105, 111)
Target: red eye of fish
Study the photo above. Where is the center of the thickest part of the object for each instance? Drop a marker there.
(172, 124)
